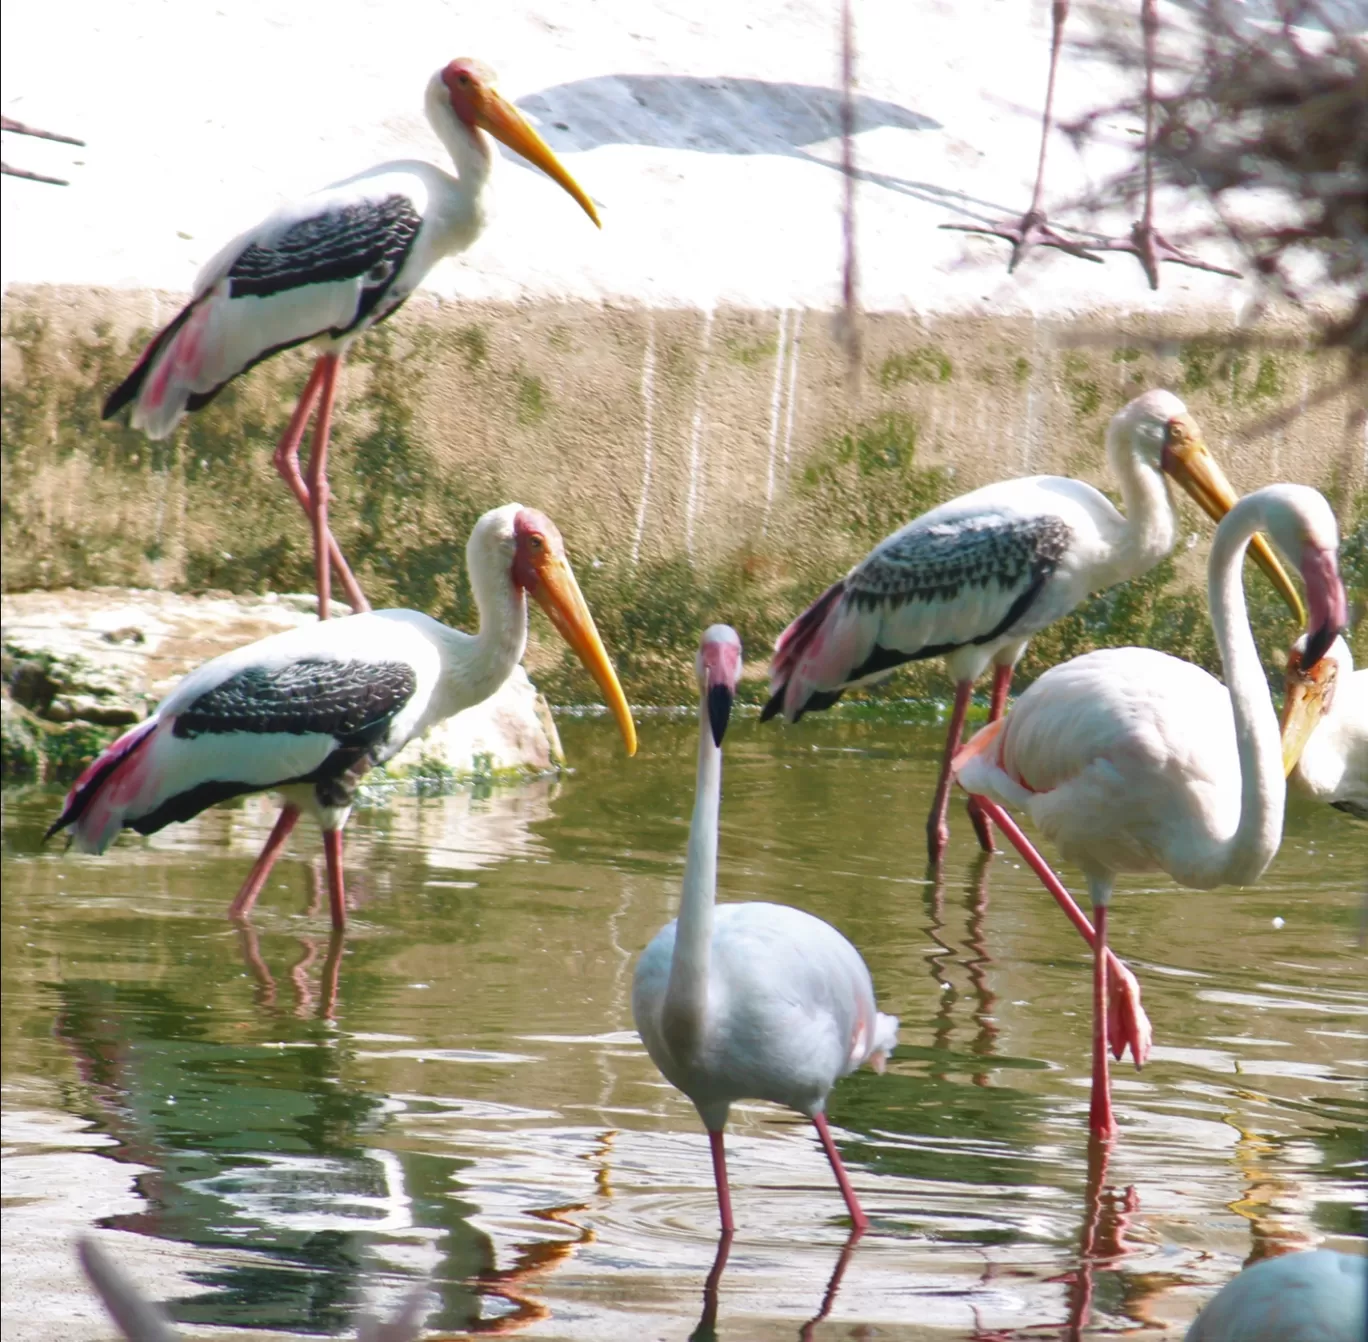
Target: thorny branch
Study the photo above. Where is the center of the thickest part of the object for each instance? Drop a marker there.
(1269, 122)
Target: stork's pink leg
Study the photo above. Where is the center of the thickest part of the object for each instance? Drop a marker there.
(1128, 1025)
(858, 1220)
(318, 482)
(1100, 1116)
(719, 1164)
(337, 894)
(1002, 684)
(287, 464)
(937, 830)
(261, 868)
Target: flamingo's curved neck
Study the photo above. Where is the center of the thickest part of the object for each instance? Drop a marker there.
(1150, 523)
(1243, 857)
(475, 666)
(686, 994)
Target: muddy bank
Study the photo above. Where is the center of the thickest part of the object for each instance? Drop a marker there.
(79, 667)
(702, 465)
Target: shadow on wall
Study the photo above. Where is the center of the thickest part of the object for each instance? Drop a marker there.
(724, 115)
(727, 115)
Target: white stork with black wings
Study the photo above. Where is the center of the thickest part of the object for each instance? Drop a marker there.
(326, 268)
(307, 712)
(973, 579)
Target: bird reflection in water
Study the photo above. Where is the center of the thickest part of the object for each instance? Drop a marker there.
(707, 1321)
(299, 973)
(976, 891)
(1107, 1213)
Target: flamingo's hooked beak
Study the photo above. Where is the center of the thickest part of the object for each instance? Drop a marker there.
(1309, 695)
(558, 594)
(506, 124)
(1188, 460)
(719, 664)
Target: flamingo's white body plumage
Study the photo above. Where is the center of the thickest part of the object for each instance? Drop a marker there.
(750, 1001)
(1320, 1296)
(973, 579)
(307, 712)
(1131, 760)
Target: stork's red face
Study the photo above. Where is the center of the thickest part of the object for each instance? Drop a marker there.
(541, 569)
(470, 88)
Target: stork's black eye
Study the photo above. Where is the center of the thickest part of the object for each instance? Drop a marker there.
(535, 542)
(463, 78)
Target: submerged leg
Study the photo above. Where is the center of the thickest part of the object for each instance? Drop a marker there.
(1128, 1026)
(719, 1164)
(1100, 1116)
(261, 868)
(858, 1220)
(1002, 683)
(287, 464)
(937, 830)
(707, 1322)
(337, 894)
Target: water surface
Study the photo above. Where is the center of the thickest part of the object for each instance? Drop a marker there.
(272, 1127)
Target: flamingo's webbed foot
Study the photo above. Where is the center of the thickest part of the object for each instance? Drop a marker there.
(1127, 1024)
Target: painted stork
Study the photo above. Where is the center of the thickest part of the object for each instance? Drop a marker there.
(306, 713)
(1320, 1296)
(750, 1001)
(1325, 728)
(324, 269)
(1131, 760)
(973, 579)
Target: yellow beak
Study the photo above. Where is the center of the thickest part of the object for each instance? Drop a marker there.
(558, 594)
(1190, 462)
(508, 125)
(1307, 700)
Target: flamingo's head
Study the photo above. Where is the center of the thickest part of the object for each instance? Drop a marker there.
(1309, 694)
(1157, 429)
(465, 88)
(1303, 527)
(719, 669)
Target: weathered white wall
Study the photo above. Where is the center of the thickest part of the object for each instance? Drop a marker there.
(201, 116)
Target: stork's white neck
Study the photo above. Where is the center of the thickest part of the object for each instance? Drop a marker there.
(1151, 526)
(1244, 855)
(686, 995)
(476, 665)
(473, 154)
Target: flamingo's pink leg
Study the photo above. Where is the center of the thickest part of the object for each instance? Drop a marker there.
(261, 868)
(858, 1220)
(1100, 1116)
(719, 1164)
(937, 830)
(287, 464)
(337, 894)
(1128, 1025)
(1002, 684)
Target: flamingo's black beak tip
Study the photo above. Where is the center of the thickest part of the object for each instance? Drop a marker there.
(720, 700)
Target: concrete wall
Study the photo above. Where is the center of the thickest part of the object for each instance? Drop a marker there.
(702, 465)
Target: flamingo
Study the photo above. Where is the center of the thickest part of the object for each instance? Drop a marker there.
(1325, 728)
(306, 713)
(325, 268)
(974, 578)
(1320, 1296)
(750, 1001)
(1131, 760)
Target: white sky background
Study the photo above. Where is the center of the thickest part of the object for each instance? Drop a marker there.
(200, 117)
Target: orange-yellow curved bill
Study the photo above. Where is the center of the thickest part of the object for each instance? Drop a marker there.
(559, 596)
(508, 125)
(1305, 704)
(1193, 466)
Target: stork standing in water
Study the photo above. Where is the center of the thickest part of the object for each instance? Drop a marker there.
(1131, 760)
(973, 579)
(1325, 728)
(307, 712)
(324, 269)
(750, 1001)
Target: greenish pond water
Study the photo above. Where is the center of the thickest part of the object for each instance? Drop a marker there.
(470, 1106)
